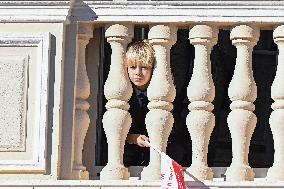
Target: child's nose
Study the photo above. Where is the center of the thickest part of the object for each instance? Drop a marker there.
(138, 71)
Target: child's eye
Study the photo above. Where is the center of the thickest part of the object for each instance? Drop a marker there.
(133, 67)
(145, 67)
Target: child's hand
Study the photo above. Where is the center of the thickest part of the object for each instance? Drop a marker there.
(141, 141)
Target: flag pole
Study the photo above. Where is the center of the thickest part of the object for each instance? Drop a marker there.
(148, 143)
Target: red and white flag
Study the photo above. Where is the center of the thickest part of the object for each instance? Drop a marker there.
(171, 173)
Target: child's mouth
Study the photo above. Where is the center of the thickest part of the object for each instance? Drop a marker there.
(138, 79)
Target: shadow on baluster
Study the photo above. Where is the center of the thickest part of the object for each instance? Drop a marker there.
(196, 184)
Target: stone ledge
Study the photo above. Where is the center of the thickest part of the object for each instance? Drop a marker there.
(258, 183)
(252, 3)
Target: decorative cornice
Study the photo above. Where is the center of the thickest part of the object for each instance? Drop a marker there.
(265, 12)
(146, 2)
(33, 11)
(34, 3)
(190, 2)
(192, 12)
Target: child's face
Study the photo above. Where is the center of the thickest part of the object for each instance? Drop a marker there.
(140, 76)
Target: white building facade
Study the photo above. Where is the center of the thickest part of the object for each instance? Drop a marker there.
(51, 54)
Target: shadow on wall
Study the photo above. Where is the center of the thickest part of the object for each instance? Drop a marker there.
(80, 11)
(50, 103)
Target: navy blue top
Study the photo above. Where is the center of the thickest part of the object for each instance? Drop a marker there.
(135, 155)
(138, 110)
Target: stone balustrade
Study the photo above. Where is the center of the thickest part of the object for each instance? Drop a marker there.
(161, 92)
(81, 119)
(201, 92)
(242, 92)
(277, 116)
(159, 120)
(118, 90)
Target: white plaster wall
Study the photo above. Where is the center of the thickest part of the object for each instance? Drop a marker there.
(54, 93)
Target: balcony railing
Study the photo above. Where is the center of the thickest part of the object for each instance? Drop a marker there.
(161, 92)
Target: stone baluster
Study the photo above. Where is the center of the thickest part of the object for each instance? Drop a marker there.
(201, 92)
(161, 93)
(82, 120)
(242, 92)
(117, 90)
(277, 116)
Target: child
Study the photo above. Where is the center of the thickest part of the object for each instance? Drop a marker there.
(139, 60)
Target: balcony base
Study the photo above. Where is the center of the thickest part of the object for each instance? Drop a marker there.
(97, 184)
(219, 181)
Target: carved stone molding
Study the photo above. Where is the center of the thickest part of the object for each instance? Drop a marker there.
(32, 50)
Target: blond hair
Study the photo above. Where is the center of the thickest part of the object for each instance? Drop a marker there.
(139, 53)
